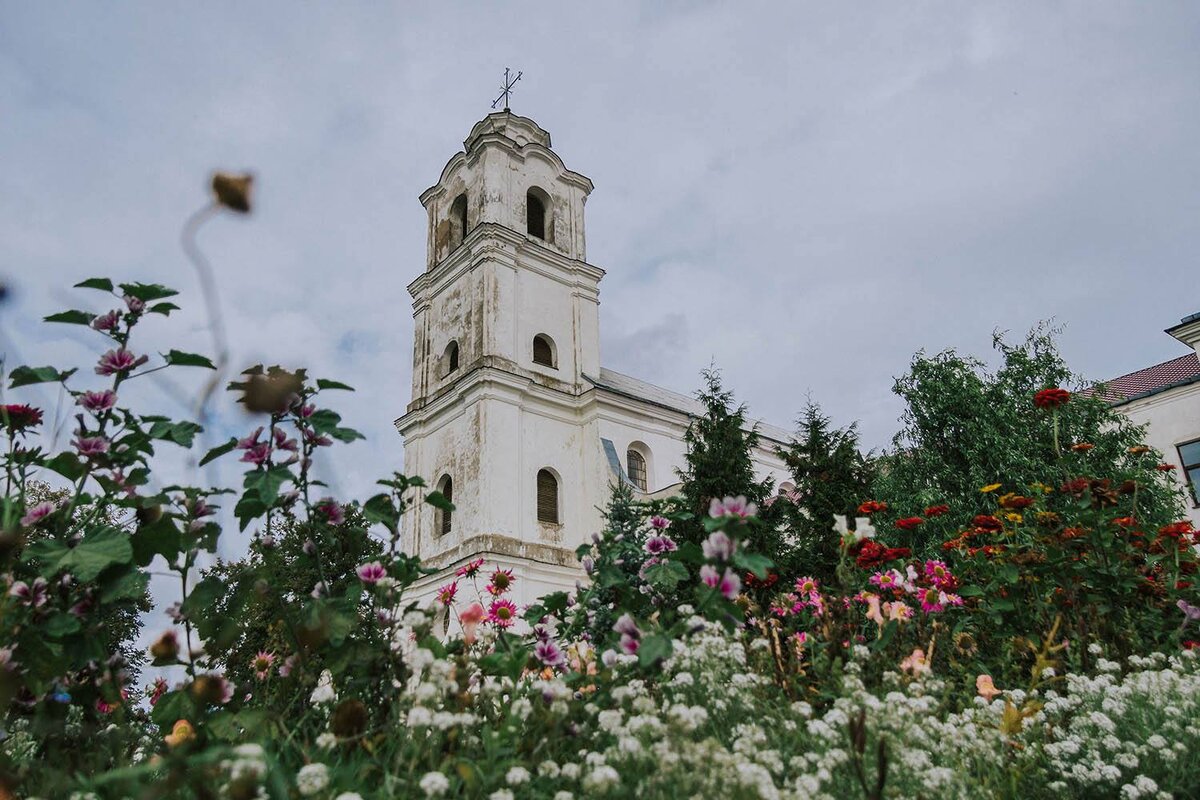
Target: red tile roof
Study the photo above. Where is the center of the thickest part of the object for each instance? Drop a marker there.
(1177, 371)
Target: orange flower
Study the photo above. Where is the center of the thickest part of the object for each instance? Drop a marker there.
(181, 733)
(986, 687)
(1082, 447)
(1165, 467)
(1139, 449)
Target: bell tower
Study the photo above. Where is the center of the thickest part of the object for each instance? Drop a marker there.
(506, 335)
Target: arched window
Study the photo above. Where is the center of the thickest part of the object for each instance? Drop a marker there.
(543, 351)
(450, 358)
(445, 516)
(538, 221)
(636, 468)
(458, 220)
(547, 497)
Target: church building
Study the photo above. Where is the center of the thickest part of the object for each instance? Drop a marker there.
(512, 415)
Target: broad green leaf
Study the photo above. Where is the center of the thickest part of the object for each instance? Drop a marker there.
(181, 433)
(380, 508)
(754, 562)
(178, 358)
(130, 585)
(666, 575)
(325, 383)
(66, 464)
(248, 507)
(172, 707)
(219, 451)
(346, 435)
(99, 550)
(653, 649)
(163, 308)
(25, 376)
(159, 538)
(103, 284)
(202, 596)
(438, 500)
(266, 483)
(147, 291)
(324, 421)
(60, 624)
(71, 317)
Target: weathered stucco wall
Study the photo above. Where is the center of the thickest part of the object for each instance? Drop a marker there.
(1173, 418)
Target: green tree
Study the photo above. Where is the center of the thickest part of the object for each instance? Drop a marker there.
(966, 427)
(831, 477)
(718, 464)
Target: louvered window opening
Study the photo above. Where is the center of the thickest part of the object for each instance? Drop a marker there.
(547, 497)
(542, 352)
(447, 491)
(636, 469)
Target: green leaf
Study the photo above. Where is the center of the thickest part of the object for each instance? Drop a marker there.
(181, 433)
(163, 308)
(202, 596)
(346, 435)
(755, 562)
(439, 501)
(60, 624)
(380, 508)
(178, 358)
(219, 451)
(325, 383)
(71, 317)
(66, 464)
(172, 707)
(25, 376)
(130, 585)
(324, 421)
(653, 649)
(266, 483)
(248, 507)
(970, 591)
(97, 552)
(103, 284)
(159, 538)
(666, 575)
(147, 291)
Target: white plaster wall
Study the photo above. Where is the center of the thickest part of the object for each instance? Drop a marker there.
(1174, 418)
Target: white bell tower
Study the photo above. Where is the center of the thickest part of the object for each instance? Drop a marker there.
(506, 335)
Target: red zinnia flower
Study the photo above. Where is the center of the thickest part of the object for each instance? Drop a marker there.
(988, 523)
(19, 418)
(1125, 522)
(1051, 398)
(872, 506)
(1082, 447)
(937, 511)
(909, 523)
(1176, 529)
(1165, 467)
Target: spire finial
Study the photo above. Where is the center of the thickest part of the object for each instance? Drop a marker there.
(507, 89)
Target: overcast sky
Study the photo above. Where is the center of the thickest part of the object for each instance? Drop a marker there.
(802, 193)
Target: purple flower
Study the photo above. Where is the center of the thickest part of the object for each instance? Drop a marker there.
(306, 411)
(589, 564)
(98, 401)
(136, 305)
(660, 544)
(35, 595)
(284, 443)
(108, 321)
(319, 590)
(90, 446)
(332, 511)
(257, 454)
(719, 547)
(371, 573)
(627, 627)
(549, 653)
(317, 440)
(251, 440)
(732, 507)
(659, 523)
(728, 584)
(119, 361)
(1191, 613)
(38, 513)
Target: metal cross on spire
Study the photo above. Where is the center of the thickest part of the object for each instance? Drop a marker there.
(507, 90)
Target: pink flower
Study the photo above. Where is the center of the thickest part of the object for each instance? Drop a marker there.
(445, 595)
(873, 612)
(316, 439)
(90, 446)
(732, 507)
(806, 585)
(332, 511)
(98, 401)
(135, 304)
(470, 569)
(897, 611)
(257, 454)
(660, 544)
(107, 322)
(938, 573)
(38, 513)
(371, 573)
(659, 523)
(251, 440)
(728, 584)
(502, 613)
(915, 663)
(34, 596)
(887, 580)
(282, 442)
(719, 547)
(986, 687)
(158, 690)
(549, 653)
(119, 361)
(801, 638)
(261, 664)
(502, 580)
(470, 619)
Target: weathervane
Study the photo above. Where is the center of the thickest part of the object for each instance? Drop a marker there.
(507, 90)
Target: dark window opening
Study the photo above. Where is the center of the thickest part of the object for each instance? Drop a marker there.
(451, 357)
(543, 351)
(547, 497)
(636, 468)
(458, 220)
(535, 215)
(446, 487)
(1189, 456)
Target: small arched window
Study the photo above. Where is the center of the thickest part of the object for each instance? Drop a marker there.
(450, 359)
(445, 517)
(458, 220)
(636, 468)
(547, 497)
(543, 351)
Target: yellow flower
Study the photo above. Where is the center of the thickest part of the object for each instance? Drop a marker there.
(181, 733)
(991, 487)
(1014, 517)
(1041, 487)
